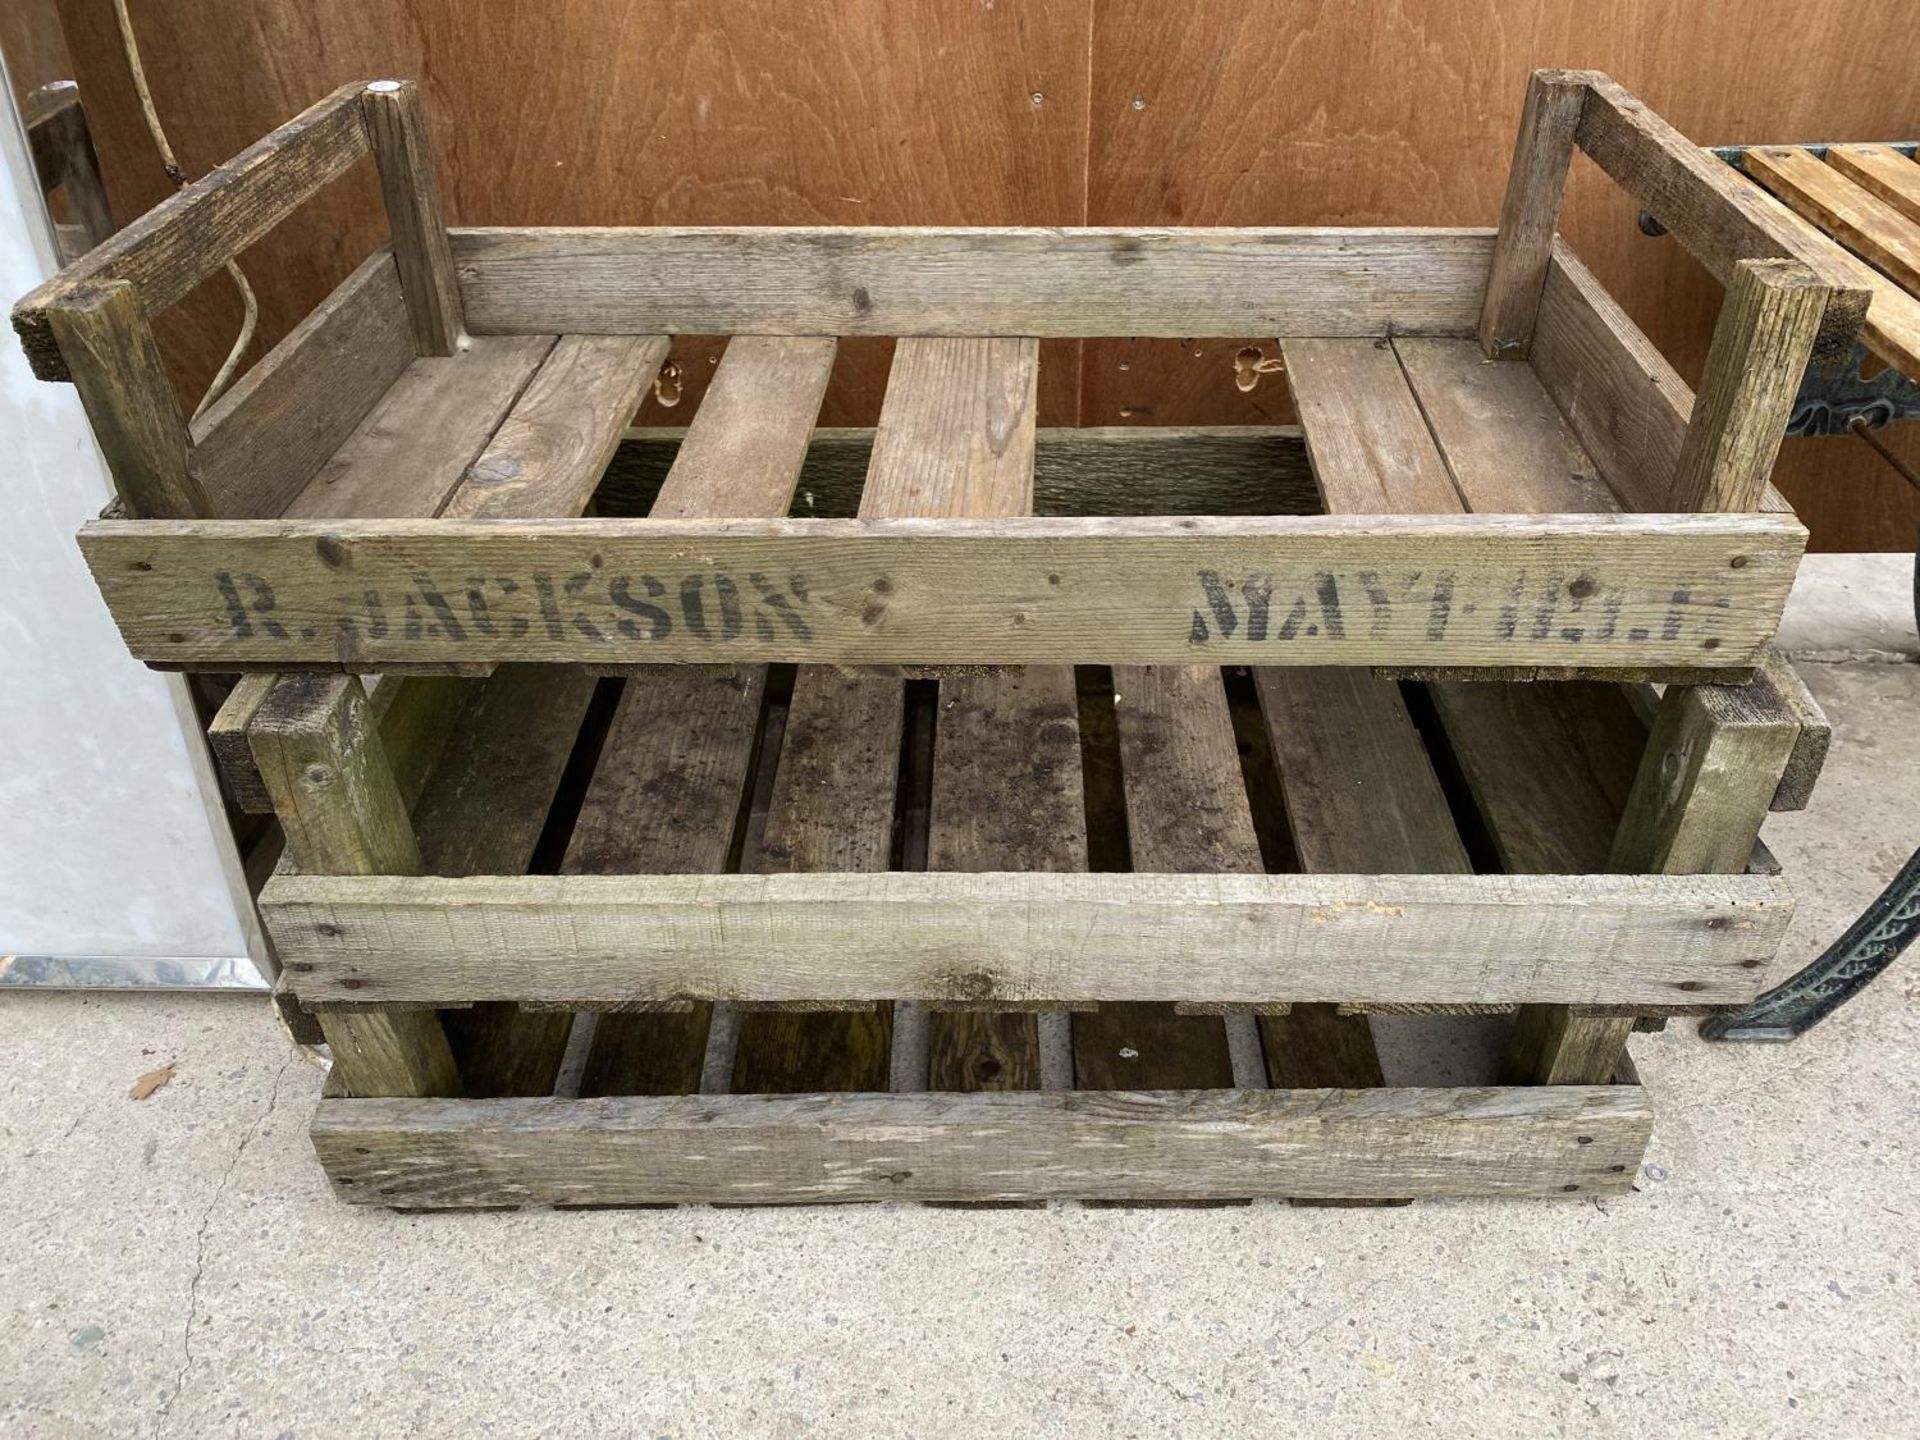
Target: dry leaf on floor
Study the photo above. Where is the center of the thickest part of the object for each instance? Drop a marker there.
(150, 1082)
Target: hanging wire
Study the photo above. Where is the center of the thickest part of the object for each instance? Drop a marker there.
(250, 306)
(1860, 427)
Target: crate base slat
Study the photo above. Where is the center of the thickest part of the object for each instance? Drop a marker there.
(1013, 1145)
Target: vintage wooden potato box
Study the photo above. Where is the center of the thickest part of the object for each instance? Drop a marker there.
(962, 810)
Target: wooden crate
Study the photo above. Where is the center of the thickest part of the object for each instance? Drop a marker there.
(1075, 735)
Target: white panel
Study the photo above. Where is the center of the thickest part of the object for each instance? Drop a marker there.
(109, 848)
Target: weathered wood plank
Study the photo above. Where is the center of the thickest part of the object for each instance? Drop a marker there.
(397, 132)
(63, 155)
(1186, 811)
(1504, 440)
(1720, 218)
(549, 453)
(1215, 1144)
(1815, 737)
(1885, 174)
(1530, 214)
(665, 799)
(1361, 796)
(1619, 394)
(1863, 222)
(1713, 763)
(321, 760)
(113, 361)
(227, 739)
(676, 768)
(1761, 348)
(973, 282)
(831, 810)
(1372, 453)
(482, 811)
(754, 426)
(1600, 590)
(1025, 937)
(191, 234)
(956, 438)
(412, 448)
(264, 439)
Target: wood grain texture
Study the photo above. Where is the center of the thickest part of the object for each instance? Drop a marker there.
(1595, 590)
(1721, 220)
(258, 445)
(412, 448)
(322, 761)
(227, 739)
(1878, 232)
(751, 438)
(831, 809)
(397, 133)
(1027, 937)
(956, 432)
(1810, 745)
(112, 360)
(667, 794)
(1530, 214)
(173, 247)
(1361, 795)
(1504, 441)
(549, 453)
(1068, 282)
(956, 437)
(1885, 174)
(1761, 348)
(1186, 811)
(1372, 452)
(1713, 763)
(482, 811)
(1203, 1145)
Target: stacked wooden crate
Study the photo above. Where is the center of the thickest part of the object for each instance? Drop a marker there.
(732, 850)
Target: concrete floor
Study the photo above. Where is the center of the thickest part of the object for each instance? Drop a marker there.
(177, 1266)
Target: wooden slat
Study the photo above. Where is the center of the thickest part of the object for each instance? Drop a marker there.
(1434, 590)
(1620, 396)
(1549, 768)
(342, 813)
(551, 450)
(1027, 937)
(1867, 225)
(227, 739)
(397, 132)
(410, 451)
(260, 442)
(831, 809)
(664, 801)
(1761, 348)
(1217, 1144)
(1361, 795)
(1542, 155)
(1713, 763)
(755, 422)
(184, 239)
(1504, 440)
(130, 402)
(956, 438)
(1885, 174)
(63, 155)
(1372, 453)
(1187, 811)
(980, 282)
(666, 795)
(483, 809)
(1720, 218)
(1810, 746)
